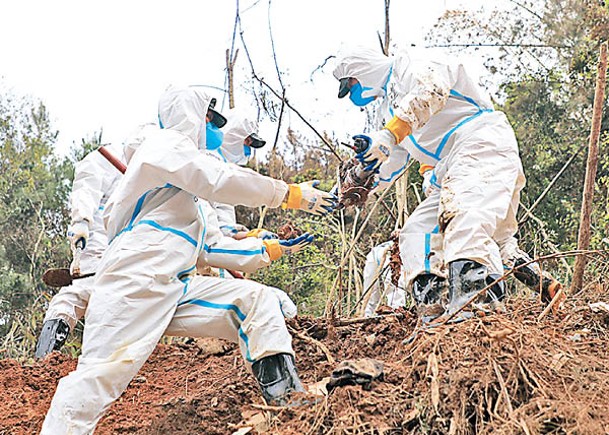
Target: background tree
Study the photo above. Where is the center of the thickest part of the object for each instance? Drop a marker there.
(34, 187)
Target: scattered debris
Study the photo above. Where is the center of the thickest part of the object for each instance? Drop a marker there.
(289, 231)
(598, 307)
(356, 372)
(355, 184)
(395, 261)
(504, 373)
(212, 346)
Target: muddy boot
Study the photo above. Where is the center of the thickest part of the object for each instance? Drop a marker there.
(52, 337)
(466, 279)
(427, 291)
(277, 377)
(533, 277)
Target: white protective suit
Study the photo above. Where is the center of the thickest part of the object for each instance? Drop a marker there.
(94, 180)
(239, 125)
(377, 278)
(508, 246)
(472, 147)
(156, 229)
(238, 310)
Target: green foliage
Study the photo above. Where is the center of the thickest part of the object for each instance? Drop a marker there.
(543, 74)
(34, 187)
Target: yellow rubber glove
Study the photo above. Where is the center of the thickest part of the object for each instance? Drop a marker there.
(276, 248)
(399, 128)
(261, 233)
(304, 196)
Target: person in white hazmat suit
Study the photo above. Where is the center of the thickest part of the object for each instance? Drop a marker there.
(240, 137)
(526, 270)
(377, 280)
(156, 230)
(437, 113)
(94, 181)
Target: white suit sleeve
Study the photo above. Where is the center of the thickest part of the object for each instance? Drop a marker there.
(427, 88)
(246, 255)
(183, 166)
(392, 168)
(370, 269)
(227, 220)
(88, 188)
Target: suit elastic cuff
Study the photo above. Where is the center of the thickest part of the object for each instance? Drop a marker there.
(293, 198)
(273, 249)
(424, 168)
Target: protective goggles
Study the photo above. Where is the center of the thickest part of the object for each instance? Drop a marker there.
(344, 87)
(254, 141)
(215, 117)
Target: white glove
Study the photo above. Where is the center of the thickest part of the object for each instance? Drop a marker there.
(78, 234)
(379, 150)
(276, 248)
(304, 196)
(288, 308)
(237, 231)
(237, 228)
(427, 186)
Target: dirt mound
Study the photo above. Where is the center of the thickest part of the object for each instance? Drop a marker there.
(508, 373)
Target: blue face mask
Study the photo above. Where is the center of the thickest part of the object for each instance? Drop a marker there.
(356, 95)
(213, 136)
(247, 150)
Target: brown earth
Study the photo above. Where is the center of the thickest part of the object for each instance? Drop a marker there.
(506, 373)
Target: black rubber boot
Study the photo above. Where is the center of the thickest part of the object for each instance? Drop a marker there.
(537, 280)
(468, 277)
(277, 377)
(428, 290)
(52, 337)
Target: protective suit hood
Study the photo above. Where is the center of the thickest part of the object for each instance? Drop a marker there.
(183, 109)
(239, 126)
(370, 67)
(135, 139)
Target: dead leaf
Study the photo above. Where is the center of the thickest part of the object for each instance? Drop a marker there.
(319, 388)
(410, 415)
(211, 346)
(253, 420)
(558, 361)
(501, 334)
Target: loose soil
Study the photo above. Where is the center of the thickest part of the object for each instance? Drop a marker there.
(505, 373)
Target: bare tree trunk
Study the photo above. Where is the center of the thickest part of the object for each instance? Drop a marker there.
(230, 66)
(387, 38)
(583, 241)
(387, 34)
